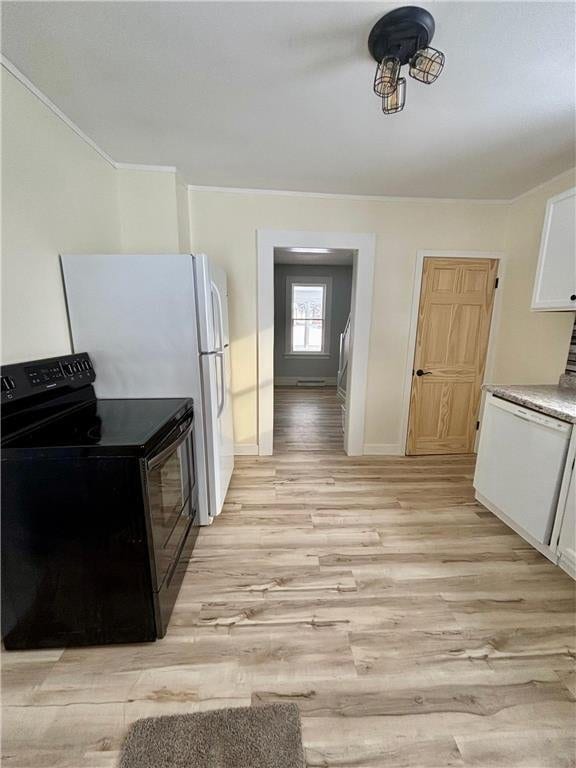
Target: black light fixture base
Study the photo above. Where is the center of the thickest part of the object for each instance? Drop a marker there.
(401, 33)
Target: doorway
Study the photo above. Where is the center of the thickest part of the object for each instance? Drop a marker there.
(362, 247)
(454, 320)
(312, 301)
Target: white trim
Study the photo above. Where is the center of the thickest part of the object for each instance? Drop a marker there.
(7, 64)
(326, 282)
(542, 184)
(567, 561)
(307, 355)
(21, 77)
(245, 449)
(494, 323)
(293, 381)
(345, 195)
(140, 167)
(361, 313)
(383, 449)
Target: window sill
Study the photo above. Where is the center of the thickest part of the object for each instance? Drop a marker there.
(307, 354)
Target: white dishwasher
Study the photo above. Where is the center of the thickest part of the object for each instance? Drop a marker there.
(521, 458)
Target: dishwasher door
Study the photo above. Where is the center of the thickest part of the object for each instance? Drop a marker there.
(521, 457)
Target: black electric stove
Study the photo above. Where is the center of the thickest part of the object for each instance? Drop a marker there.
(98, 508)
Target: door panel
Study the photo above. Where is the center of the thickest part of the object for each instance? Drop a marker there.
(451, 341)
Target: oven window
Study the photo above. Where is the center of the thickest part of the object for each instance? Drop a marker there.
(169, 486)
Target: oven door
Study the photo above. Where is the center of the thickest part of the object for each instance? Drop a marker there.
(169, 481)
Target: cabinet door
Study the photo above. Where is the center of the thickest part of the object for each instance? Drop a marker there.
(567, 541)
(555, 285)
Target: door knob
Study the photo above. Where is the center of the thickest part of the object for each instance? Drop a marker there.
(420, 372)
(573, 297)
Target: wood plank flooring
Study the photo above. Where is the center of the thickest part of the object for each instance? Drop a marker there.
(411, 626)
(307, 419)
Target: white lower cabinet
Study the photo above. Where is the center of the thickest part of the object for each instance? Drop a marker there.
(525, 476)
(567, 525)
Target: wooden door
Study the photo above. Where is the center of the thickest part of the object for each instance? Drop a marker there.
(451, 341)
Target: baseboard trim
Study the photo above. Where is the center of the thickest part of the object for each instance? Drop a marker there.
(567, 562)
(383, 449)
(245, 449)
(293, 381)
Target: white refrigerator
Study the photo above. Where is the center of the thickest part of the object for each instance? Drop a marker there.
(157, 326)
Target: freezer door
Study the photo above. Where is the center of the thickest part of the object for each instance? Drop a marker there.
(136, 315)
(218, 427)
(212, 302)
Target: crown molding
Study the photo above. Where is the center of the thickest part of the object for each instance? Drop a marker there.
(522, 195)
(140, 167)
(344, 196)
(21, 77)
(7, 64)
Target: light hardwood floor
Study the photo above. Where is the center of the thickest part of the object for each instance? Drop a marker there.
(411, 627)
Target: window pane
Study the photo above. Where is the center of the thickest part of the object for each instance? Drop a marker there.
(298, 331)
(314, 336)
(308, 301)
(307, 335)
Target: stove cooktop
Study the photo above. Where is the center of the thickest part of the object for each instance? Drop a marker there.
(104, 426)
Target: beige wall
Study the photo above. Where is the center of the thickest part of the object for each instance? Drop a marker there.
(147, 211)
(183, 211)
(529, 346)
(224, 225)
(59, 195)
(532, 347)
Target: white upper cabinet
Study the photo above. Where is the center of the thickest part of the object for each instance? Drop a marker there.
(555, 285)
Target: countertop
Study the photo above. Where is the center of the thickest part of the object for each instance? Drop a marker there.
(551, 399)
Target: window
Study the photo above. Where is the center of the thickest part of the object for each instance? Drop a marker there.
(308, 305)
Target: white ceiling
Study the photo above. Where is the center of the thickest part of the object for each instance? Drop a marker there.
(334, 257)
(278, 95)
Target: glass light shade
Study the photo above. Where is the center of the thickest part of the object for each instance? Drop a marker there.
(426, 65)
(396, 100)
(387, 74)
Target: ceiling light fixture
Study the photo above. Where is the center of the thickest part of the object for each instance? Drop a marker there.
(402, 37)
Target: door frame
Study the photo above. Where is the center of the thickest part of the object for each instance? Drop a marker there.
(500, 256)
(364, 246)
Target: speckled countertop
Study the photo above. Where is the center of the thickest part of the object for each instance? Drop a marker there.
(553, 400)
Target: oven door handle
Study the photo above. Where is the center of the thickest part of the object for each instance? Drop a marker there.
(184, 431)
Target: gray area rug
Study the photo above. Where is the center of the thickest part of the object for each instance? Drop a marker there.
(249, 737)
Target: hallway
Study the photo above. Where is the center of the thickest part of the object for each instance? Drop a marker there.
(307, 419)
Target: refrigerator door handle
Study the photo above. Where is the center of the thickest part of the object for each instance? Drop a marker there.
(222, 404)
(216, 294)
